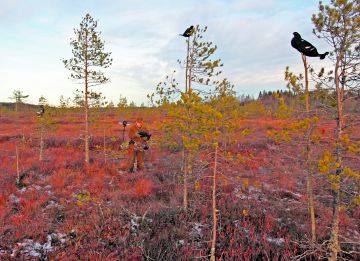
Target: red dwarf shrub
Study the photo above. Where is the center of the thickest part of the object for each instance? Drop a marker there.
(143, 187)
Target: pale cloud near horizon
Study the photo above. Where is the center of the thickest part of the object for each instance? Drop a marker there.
(253, 39)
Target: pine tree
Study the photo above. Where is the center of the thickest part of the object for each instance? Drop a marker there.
(88, 56)
(19, 98)
(65, 102)
(338, 23)
(43, 101)
(123, 102)
(201, 68)
(45, 123)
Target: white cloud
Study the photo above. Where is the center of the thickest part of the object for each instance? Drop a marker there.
(253, 41)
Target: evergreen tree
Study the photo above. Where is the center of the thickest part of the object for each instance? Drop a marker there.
(338, 24)
(123, 103)
(201, 67)
(88, 57)
(43, 101)
(19, 97)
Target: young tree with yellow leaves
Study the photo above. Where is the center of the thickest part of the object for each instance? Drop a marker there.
(199, 126)
(201, 70)
(338, 23)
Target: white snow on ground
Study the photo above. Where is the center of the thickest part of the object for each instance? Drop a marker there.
(136, 221)
(135, 224)
(197, 229)
(2, 252)
(53, 204)
(277, 241)
(14, 199)
(30, 248)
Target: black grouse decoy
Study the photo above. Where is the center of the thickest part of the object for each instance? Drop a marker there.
(305, 47)
(188, 32)
(41, 111)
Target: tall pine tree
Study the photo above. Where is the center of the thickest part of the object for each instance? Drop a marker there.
(88, 57)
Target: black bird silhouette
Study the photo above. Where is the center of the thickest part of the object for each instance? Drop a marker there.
(41, 111)
(305, 47)
(188, 32)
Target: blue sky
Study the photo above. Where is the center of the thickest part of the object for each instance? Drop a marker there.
(253, 39)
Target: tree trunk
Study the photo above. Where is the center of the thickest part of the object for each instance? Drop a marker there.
(41, 142)
(334, 236)
(309, 183)
(17, 164)
(190, 68)
(316, 103)
(104, 147)
(86, 115)
(187, 66)
(306, 83)
(310, 193)
(213, 242)
(185, 203)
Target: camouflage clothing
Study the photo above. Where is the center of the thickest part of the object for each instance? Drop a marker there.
(136, 148)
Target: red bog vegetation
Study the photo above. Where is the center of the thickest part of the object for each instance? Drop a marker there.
(62, 209)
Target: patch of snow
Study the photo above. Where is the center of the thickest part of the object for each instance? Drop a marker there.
(181, 242)
(14, 199)
(37, 187)
(253, 189)
(197, 229)
(277, 241)
(54, 238)
(47, 189)
(53, 204)
(136, 221)
(30, 248)
(298, 195)
(135, 224)
(2, 252)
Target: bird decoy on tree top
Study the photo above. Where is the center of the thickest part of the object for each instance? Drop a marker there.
(305, 47)
(188, 32)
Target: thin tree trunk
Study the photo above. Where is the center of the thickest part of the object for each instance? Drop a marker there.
(213, 242)
(187, 66)
(185, 180)
(316, 103)
(310, 193)
(190, 68)
(86, 115)
(17, 164)
(306, 83)
(104, 147)
(309, 182)
(41, 142)
(334, 236)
